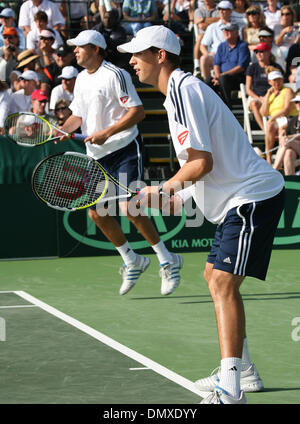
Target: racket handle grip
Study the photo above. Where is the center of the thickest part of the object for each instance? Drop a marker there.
(78, 137)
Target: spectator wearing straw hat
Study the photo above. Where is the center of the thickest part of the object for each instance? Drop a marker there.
(7, 19)
(27, 60)
(66, 89)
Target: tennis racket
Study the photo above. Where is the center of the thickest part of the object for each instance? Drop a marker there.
(29, 130)
(71, 181)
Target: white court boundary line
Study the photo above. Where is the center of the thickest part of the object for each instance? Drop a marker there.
(18, 306)
(159, 369)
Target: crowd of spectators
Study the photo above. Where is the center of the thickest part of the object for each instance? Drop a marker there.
(234, 41)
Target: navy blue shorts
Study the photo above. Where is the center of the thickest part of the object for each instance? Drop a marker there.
(125, 165)
(244, 241)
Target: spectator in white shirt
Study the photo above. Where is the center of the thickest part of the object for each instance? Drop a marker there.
(30, 7)
(272, 14)
(66, 88)
(41, 23)
(286, 33)
(4, 104)
(21, 100)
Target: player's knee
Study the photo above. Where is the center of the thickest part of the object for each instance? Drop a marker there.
(222, 286)
(290, 154)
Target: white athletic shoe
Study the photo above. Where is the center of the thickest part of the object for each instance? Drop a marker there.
(220, 396)
(197, 72)
(132, 272)
(250, 381)
(170, 276)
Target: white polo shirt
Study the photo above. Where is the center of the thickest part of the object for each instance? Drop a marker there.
(58, 93)
(101, 99)
(272, 18)
(19, 102)
(28, 10)
(199, 119)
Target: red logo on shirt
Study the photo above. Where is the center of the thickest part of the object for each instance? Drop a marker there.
(182, 137)
(124, 99)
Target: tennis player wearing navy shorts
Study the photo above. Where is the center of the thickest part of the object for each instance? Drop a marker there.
(240, 193)
(107, 108)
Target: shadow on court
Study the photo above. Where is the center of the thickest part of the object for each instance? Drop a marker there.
(246, 297)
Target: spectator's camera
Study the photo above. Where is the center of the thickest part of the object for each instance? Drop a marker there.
(11, 48)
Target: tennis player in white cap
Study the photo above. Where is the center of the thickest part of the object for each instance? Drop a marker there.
(243, 195)
(107, 108)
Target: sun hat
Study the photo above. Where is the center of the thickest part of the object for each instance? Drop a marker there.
(274, 75)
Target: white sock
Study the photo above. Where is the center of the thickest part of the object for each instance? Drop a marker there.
(196, 63)
(162, 252)
(128, 255)
(230, 375)
(246, 362)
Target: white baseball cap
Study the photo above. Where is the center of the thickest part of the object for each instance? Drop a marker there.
(68, 72)
(89, 36)
(7, 13)
(225, 4)
(274, 75)
(29, 75)
(154, 36)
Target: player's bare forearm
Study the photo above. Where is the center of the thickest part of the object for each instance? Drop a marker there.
(72, 123)
(199, 163)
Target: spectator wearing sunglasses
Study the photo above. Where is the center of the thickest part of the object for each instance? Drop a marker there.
(286, 33)
(62, 111)
(255, 20)
(266, 35)
(65, 90)
(39, 105)
(8, 53)
(46, 49)
(257, 79)
(7, 20)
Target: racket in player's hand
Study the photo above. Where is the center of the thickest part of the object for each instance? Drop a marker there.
(29, 130)
(72, 181)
